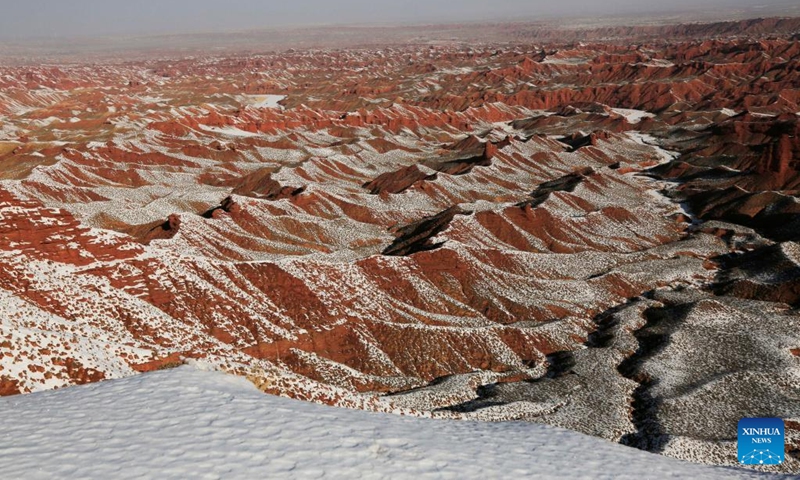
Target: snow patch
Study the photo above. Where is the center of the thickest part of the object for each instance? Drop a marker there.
(632, 116)
(185, 422)
(263, 101)
(231, 131)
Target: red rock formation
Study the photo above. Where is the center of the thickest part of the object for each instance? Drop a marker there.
(342, 258)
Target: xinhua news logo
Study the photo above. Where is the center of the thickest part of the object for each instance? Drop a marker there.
(761, 441)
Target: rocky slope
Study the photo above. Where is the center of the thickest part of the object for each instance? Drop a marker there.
(598, 236)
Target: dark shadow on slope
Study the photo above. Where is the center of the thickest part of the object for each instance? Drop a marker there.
(567, 183)
(397, 181)
(766, 274)
(459, 158)
(417, 236)
(559, 364)
(653, 337)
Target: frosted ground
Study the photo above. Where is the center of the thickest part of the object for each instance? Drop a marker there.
(187, 422)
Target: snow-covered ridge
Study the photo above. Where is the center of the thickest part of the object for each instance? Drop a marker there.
(187, 423)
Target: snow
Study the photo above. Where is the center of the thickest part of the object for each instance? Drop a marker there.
(186, 422)
(632, 116)
(231, 131)
(563, 61)
(658, 63)
(665, 156)
(264, 101)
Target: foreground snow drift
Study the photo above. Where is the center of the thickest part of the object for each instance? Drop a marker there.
(189, 423)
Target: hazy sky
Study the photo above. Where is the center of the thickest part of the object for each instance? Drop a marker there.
(20, 19)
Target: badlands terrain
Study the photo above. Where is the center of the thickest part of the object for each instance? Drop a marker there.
(591, 229)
